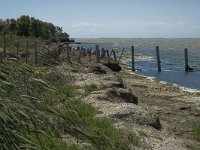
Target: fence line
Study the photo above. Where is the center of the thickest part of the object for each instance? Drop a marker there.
(112, 52)
(32, 53)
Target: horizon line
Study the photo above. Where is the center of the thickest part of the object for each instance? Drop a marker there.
(136, 37)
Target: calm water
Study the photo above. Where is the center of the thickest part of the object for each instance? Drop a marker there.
(171, 54)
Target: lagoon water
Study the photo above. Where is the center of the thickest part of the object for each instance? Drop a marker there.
(171, 55)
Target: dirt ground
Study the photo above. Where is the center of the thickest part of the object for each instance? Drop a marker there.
(177, 109)
(161, 115)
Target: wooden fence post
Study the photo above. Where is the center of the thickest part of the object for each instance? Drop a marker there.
(110, 55)
(115, 58)
(4, 45)
(158, 58)
(103, 53)
(186, 60)
(73, 52)
(80, 55)
(107, 52)
(133, 57)
(90, 54)
(121, 56)
(97, 53)
(68, 52)
(36, 53)
(17, 49)
(26, 52)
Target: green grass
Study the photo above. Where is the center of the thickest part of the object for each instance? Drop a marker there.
(37, 108)
(142, 133)
(17, 46)
(90, 88)
(98, 131)
(134, 139)
(25, 116)
(196, 131)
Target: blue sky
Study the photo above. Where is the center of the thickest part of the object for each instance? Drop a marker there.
(113, 18)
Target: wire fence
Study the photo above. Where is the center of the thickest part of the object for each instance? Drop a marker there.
(30, 51)
(44, 53)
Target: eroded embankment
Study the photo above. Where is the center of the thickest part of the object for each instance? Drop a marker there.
(159, 115)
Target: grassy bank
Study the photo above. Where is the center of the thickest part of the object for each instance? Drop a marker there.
(38, 109)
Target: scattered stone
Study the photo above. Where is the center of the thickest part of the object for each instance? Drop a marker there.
(113, 66)
(117, 81)
(124, 94)
(185, 108)
(167, 113)
(156, 123)
(141, 117)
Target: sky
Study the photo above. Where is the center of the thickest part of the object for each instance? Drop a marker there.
(113, 18)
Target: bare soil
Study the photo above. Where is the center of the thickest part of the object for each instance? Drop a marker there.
(160, 114)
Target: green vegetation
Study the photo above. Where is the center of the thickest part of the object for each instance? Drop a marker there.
(17, 44)
(196, 131)
(30, 27)
(90, 88)
(37, 110)
(135, 140)
(22, 48)
(142, 133)
(97, 131)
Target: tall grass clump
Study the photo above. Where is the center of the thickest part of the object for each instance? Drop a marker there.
(25, 113)
(100, 132)
(37, 108)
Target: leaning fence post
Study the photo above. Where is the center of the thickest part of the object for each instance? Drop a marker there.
(26, 52)
(186, 60)
(133, 58)
(36, 53)
(121, 55)
(4, 45)
(158, 58)
(97, 53)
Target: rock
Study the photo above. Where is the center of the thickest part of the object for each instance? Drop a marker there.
(185, 108)
(113, 66)
(124, 94)
(96, 70)
(141, 117)
(155, 122)
(117, 81)
(118, 84)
